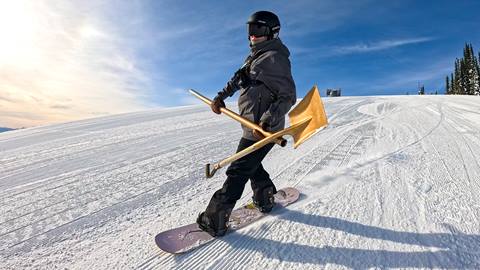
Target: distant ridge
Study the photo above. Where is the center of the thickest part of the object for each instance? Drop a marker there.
(3, 129)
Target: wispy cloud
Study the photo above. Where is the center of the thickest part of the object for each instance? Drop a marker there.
(323, 51)
(379, 45)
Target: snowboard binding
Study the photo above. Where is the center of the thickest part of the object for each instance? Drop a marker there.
(215, 226)
(264, 201)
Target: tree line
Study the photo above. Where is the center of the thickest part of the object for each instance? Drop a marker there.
(465, 79)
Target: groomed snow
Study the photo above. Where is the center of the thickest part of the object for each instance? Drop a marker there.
(393, 182)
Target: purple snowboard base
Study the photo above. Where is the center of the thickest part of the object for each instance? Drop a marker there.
(188, 237)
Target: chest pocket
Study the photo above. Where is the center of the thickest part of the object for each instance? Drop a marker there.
(264, 101)
(254, 101)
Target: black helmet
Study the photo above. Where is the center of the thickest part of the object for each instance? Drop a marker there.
(263, 23)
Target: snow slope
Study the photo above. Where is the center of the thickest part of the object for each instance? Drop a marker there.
(393, 182)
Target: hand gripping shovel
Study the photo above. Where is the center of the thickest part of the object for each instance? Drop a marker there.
(280, 141)
(306, 119)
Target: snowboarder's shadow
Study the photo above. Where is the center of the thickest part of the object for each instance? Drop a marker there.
(451, 250)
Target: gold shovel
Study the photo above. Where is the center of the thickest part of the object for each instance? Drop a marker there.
(306, 119)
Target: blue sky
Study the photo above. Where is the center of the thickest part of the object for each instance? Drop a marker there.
(89, 58)
(364, 47)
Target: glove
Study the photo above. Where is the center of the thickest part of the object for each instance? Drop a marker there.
(217, 104)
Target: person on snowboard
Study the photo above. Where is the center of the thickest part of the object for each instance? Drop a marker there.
(267, 92)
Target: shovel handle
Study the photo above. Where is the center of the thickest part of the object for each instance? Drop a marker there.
(280, 141)
(210, 173)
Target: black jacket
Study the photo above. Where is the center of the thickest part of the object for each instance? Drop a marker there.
(267, 89)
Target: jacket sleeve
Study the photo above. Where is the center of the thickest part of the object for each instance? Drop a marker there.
(274, 72)
(239, 79)
(230, 88)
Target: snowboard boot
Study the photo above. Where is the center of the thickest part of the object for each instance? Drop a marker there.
(215, 224)
(264, 200)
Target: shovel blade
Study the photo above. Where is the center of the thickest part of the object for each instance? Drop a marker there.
(311, 106)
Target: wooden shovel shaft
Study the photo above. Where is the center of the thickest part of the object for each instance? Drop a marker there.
(280, 141)
(210, 170)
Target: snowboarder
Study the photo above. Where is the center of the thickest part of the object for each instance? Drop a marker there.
(267, 92)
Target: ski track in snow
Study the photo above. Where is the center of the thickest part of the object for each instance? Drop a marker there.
(392, 182)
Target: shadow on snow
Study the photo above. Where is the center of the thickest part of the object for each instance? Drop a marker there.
(458, 249)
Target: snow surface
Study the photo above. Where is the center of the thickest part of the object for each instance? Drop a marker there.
(393, 182)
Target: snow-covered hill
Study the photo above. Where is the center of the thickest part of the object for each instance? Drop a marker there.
(393, 182)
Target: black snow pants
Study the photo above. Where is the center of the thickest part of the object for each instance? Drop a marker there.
(238, 173)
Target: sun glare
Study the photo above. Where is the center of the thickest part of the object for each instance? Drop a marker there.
(18, 30)
(59, 61)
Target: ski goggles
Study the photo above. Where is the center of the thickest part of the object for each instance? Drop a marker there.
(257, 30)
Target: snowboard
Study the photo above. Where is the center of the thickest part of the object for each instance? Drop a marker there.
(186, 238)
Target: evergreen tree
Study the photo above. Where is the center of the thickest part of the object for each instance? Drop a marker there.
(457, 86)
(478, 63)
(470, 73)
(465, 80)
(475, 74)
(475, 83)
(452, 91)
(463, 77)
(478, 70)
(447, 87)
